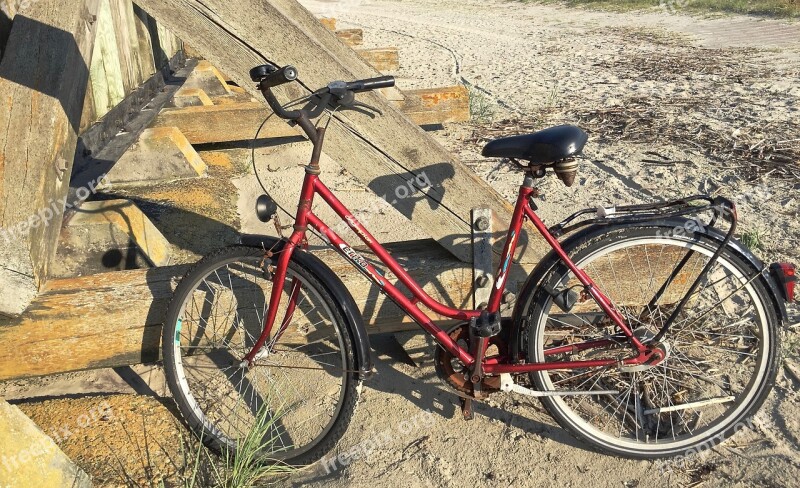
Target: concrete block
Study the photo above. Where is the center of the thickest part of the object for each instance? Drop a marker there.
(31, 458)
(109, 235)
(161, 154)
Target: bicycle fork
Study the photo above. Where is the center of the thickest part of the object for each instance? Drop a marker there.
(278, 280)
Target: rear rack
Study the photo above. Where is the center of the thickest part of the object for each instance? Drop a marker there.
(632, 214)
(720, 208)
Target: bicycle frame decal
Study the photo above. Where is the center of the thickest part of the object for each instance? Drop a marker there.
(501, 278)
(362, 263)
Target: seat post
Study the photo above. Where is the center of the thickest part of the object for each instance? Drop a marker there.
(528, 181)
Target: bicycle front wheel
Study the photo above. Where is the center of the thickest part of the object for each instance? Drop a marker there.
(722, 349)
(295, 402)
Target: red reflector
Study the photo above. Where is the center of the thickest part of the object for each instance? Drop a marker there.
(786, 274)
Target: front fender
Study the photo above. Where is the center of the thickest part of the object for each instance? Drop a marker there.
(334, 286)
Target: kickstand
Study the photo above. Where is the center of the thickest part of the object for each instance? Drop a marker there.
(466, 408)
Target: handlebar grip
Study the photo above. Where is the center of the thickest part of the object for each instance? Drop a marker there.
(371, 84)
(279, 77)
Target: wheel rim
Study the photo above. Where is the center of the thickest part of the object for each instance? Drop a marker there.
(681, 371)
(292, 395)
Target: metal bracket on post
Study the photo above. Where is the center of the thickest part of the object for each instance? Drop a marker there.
(482, 270)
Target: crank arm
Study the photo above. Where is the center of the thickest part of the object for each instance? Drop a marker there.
(507, 384)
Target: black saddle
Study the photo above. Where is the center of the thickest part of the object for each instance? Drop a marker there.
(543, 147)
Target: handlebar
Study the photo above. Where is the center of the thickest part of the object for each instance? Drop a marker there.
(268, 76)
(371, 84)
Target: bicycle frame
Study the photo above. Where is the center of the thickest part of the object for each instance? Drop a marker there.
(313, 186)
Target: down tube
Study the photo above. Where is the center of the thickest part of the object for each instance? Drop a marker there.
(374, 275)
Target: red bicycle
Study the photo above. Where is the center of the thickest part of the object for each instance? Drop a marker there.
(646, 332)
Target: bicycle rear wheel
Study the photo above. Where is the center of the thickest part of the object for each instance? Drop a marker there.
(298, 396)
(722, 350)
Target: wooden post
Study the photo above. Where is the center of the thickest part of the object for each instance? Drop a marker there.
(390, 149)
(43, 79)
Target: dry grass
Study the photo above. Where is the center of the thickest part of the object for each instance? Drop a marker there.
(770, 8)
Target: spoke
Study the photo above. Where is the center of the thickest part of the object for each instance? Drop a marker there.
(222, 315)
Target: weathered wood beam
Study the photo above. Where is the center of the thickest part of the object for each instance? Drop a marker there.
(383, 59)
(106, 73)
(436, 105)
(114, 319)
(397, 151)
(214, 123)
(43, 80)
(125, 31)
(7, 11)
(205, 124)
(147, 64)
(351, 37)
(329, 23)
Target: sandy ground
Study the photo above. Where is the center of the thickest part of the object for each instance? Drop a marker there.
(648, 87)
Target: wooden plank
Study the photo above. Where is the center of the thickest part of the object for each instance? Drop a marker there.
(42, 105)
(108, 86)
(213, 123)
(210, 124)
(163, 41)
(7, 12)
(384, 59)
(126, 10)
(167, 40)
(329, 23)
(351, 37)
(88, 114)
(159, 56)
(114, 319)
(125, 43)
(144, 52)
(398, 150)
(436, 105)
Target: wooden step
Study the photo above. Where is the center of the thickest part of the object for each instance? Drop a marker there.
(351, 37)
(383, 59)
(114, 319)
(239, 121)
(329, 23)
(235, 36)
(434, 106)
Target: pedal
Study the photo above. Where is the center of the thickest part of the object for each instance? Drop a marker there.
(466, 408)
(486, 325)
(507, 384)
